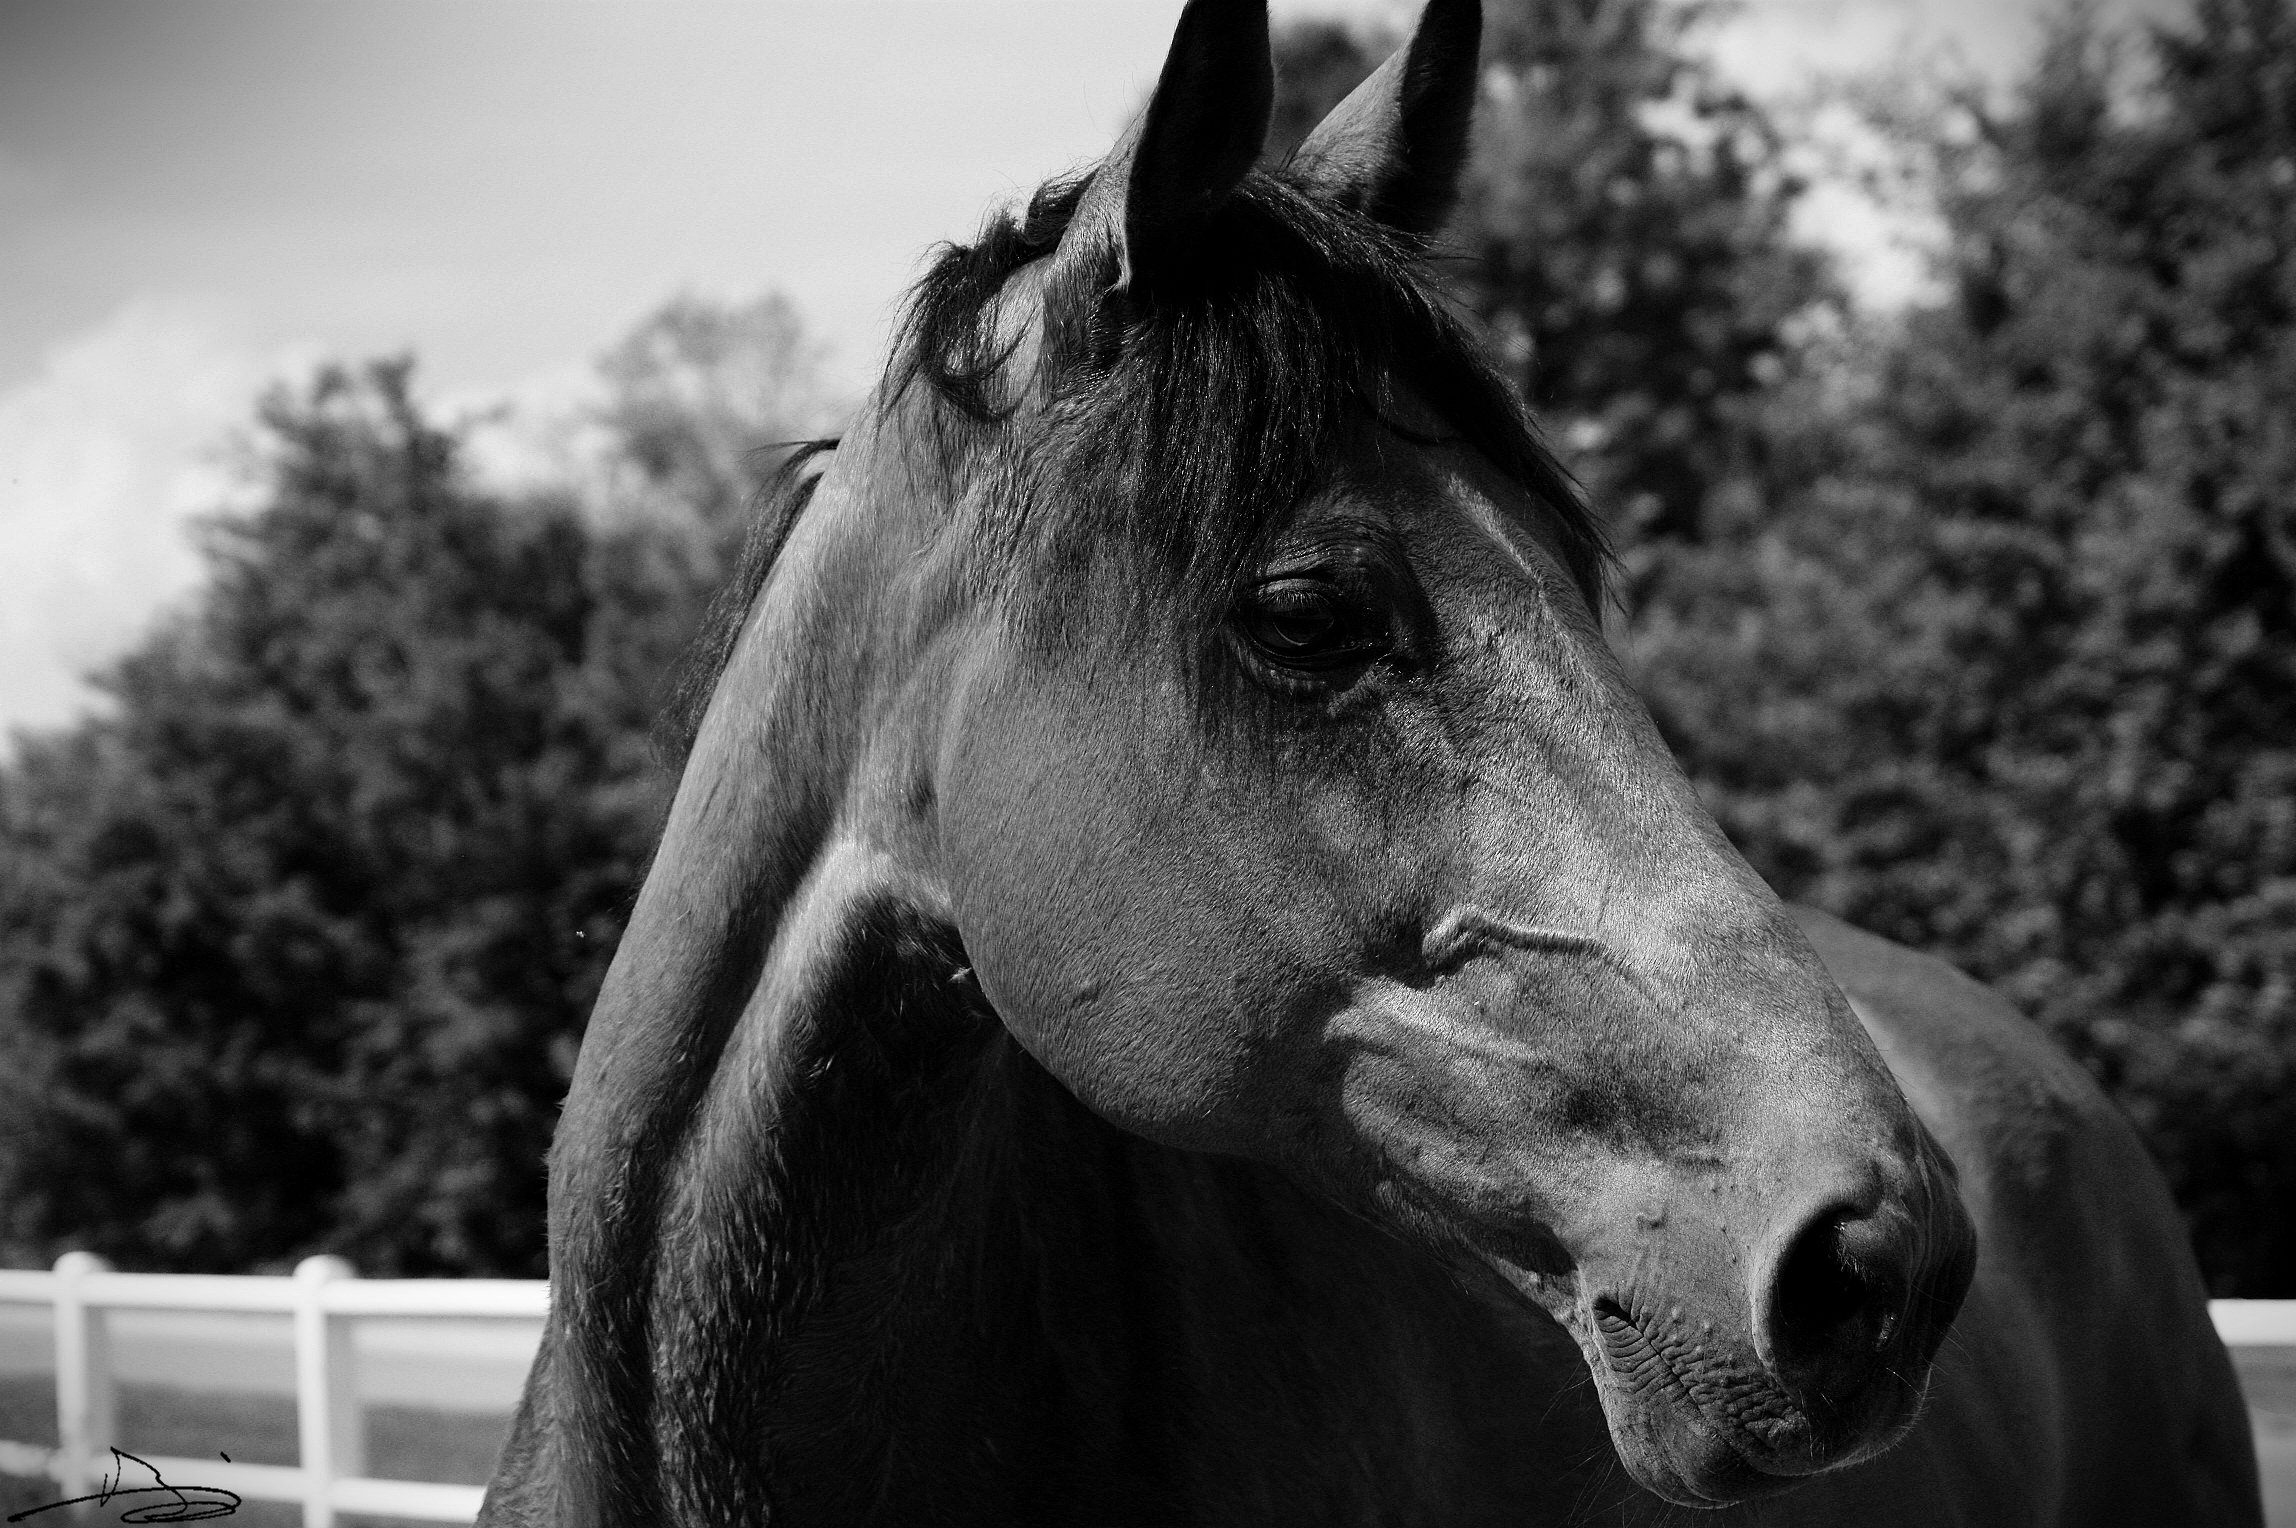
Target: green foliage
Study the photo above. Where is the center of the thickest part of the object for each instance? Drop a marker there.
(298, 942)
(2004, 669)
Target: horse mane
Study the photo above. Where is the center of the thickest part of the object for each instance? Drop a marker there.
(778, 503)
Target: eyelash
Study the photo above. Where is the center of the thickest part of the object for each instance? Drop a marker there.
(1355, 627)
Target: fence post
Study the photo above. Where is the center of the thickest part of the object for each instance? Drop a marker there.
(86, 1419)
(331, 1428)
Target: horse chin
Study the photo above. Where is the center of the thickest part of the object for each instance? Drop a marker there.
(1681, 1450)
(1674, 1453)
(1689, 1466)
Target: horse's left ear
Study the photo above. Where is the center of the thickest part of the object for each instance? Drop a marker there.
(1204, 128)
(1394, 148)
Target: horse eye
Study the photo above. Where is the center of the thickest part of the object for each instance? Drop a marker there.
(1311, 624)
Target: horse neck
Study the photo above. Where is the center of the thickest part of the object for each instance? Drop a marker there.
(946, 1233)
(881, 1261)
(832, 1213)
(803, 1175)
(712, 1010)
(929, 1283)
(957, 1295)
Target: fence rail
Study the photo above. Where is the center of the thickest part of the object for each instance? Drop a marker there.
(323, 1296)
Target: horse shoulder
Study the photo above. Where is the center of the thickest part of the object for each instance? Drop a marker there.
(2084, 1373)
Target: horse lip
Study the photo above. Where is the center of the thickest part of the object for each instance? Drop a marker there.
(1758, 1483)
(1740, 1468)
(1558, 1296)
(1749, 1469)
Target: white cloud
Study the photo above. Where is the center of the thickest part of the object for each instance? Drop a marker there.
(538, 434)
(106, 455)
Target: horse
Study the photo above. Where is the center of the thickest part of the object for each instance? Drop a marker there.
(1180, 984)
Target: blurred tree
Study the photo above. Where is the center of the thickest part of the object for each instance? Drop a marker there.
(1317, 63)
(1623, 234)
(698, 394)
(2007, 671)
(1626, 228)
(296, 945)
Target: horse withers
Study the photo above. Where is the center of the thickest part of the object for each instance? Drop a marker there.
(1181, 985)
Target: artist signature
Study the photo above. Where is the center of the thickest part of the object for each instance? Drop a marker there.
(183, 1504)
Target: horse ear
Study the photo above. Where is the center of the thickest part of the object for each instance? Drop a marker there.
(1204, 128)
(1394, 148)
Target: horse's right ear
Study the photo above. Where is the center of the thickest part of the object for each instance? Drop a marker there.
(1180, 162)
(1394, 148)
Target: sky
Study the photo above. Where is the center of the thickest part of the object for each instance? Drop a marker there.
(199, 196)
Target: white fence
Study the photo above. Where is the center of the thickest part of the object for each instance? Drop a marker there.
(324, 1297)
(2255, 1323)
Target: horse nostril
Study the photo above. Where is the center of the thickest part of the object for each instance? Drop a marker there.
(1835, 1298)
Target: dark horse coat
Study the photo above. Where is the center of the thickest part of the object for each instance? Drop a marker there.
(1182, 986)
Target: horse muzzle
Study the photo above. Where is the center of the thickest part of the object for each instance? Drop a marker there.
(1757, 1251)
(1819, 1359)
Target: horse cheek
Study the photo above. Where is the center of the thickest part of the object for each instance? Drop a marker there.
(1096, 941)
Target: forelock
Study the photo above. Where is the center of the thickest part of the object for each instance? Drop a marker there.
(1182, 429)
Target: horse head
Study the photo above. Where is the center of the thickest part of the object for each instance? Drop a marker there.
(1193, 643)
(1340, 842)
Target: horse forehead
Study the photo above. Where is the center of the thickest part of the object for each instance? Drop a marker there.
(1511, 535)
(1446, 498)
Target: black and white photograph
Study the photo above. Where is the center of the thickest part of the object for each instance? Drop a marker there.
(1148, 762)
